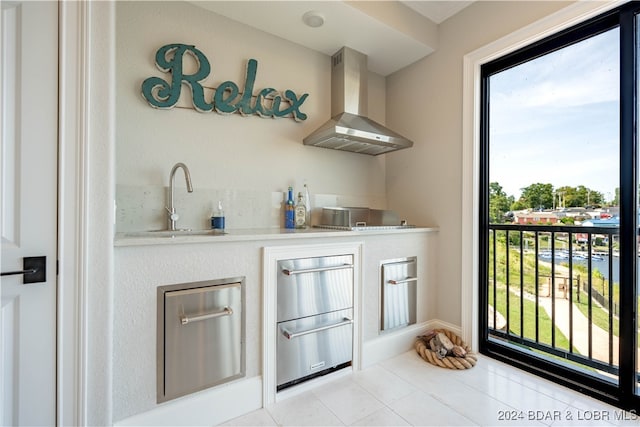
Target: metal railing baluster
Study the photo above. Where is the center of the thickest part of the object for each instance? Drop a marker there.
(610, 292)
(589, 293)
(508, 327)
(537, 261)
(570, 292)
(521, 286)
(553, 288)
(500, 239)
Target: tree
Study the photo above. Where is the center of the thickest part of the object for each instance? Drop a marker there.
(499, 203)
(537, 196)
(588, 197)
(518, 205)
(580, 196)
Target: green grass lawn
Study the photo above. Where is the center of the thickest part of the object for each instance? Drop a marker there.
(527, 273)
(599, 316)
(545, 325)
(524, 270)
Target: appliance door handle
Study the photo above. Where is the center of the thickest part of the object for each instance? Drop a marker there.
(399, 282)
(184, 319)
(288, 272)
(290, 335)
(407, 262)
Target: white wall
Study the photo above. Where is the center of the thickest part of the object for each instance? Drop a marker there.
(245, 161)
(141, 269)
(424, 103)
(244, 155)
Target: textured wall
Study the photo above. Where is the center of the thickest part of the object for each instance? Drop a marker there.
(242, 160)
(424, 102)
(141, 269)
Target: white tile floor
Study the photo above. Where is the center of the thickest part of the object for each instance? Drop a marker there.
(405, 391)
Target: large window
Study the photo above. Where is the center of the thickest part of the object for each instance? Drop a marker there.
(559, 207)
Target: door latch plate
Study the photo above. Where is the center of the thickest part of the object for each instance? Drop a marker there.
(37, 263)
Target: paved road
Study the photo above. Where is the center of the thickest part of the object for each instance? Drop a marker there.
(600, 337)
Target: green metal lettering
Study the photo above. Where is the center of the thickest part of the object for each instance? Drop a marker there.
(168, 94)
(244, 105)
(162, 94)
(294, 106)
(260, 108)
(225, 105)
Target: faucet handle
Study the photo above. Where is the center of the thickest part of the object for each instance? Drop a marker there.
(173, 216)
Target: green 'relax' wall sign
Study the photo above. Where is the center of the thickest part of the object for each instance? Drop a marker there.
(227, 98)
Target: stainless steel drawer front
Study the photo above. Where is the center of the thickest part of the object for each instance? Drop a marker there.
(311, 286)
(312, 344)
(398, 295)
(202, 332)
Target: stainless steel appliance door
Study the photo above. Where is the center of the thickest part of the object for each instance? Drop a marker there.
(399, 289)
(312, 344)
(310, 286)
(203, 338)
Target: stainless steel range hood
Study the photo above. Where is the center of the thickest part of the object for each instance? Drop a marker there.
(349, 129)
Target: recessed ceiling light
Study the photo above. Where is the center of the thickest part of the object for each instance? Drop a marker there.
(313, 19)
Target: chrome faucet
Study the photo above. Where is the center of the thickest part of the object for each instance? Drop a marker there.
(173, 216)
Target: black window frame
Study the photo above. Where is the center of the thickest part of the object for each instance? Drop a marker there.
(623, 394)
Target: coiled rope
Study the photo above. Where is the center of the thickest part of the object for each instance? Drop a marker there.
(450, 362)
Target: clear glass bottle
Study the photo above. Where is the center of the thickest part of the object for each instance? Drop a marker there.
(289, 214)
(307, 204)
(300, 212)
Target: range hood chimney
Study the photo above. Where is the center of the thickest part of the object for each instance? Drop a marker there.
(349, 128)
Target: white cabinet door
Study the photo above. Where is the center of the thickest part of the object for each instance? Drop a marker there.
(28, 186)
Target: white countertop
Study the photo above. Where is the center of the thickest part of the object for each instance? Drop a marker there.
(239, 235)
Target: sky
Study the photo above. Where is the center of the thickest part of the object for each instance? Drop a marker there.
(556, 119)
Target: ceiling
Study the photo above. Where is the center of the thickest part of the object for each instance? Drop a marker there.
(437, 11)
(393, 34)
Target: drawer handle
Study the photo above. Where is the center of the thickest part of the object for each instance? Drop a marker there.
(399, 282)
(227, 311)
(291, 335)
(288, 272)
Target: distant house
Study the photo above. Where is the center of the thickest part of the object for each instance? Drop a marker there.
(534, 218)
(602, 222)
(606, 222)
(575, 212)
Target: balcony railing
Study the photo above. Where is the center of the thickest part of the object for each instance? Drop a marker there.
(555, 289)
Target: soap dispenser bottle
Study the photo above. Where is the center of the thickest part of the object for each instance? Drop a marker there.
(217, 219)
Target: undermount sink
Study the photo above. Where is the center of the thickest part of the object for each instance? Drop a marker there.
(175, 233)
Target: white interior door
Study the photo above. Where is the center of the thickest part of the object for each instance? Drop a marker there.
(29, 133)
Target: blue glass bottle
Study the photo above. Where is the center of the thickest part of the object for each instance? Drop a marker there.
(289, 211)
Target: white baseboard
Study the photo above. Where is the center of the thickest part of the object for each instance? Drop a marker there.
(441, 324)
(225, 402)
(208, 408)
(392, 344)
